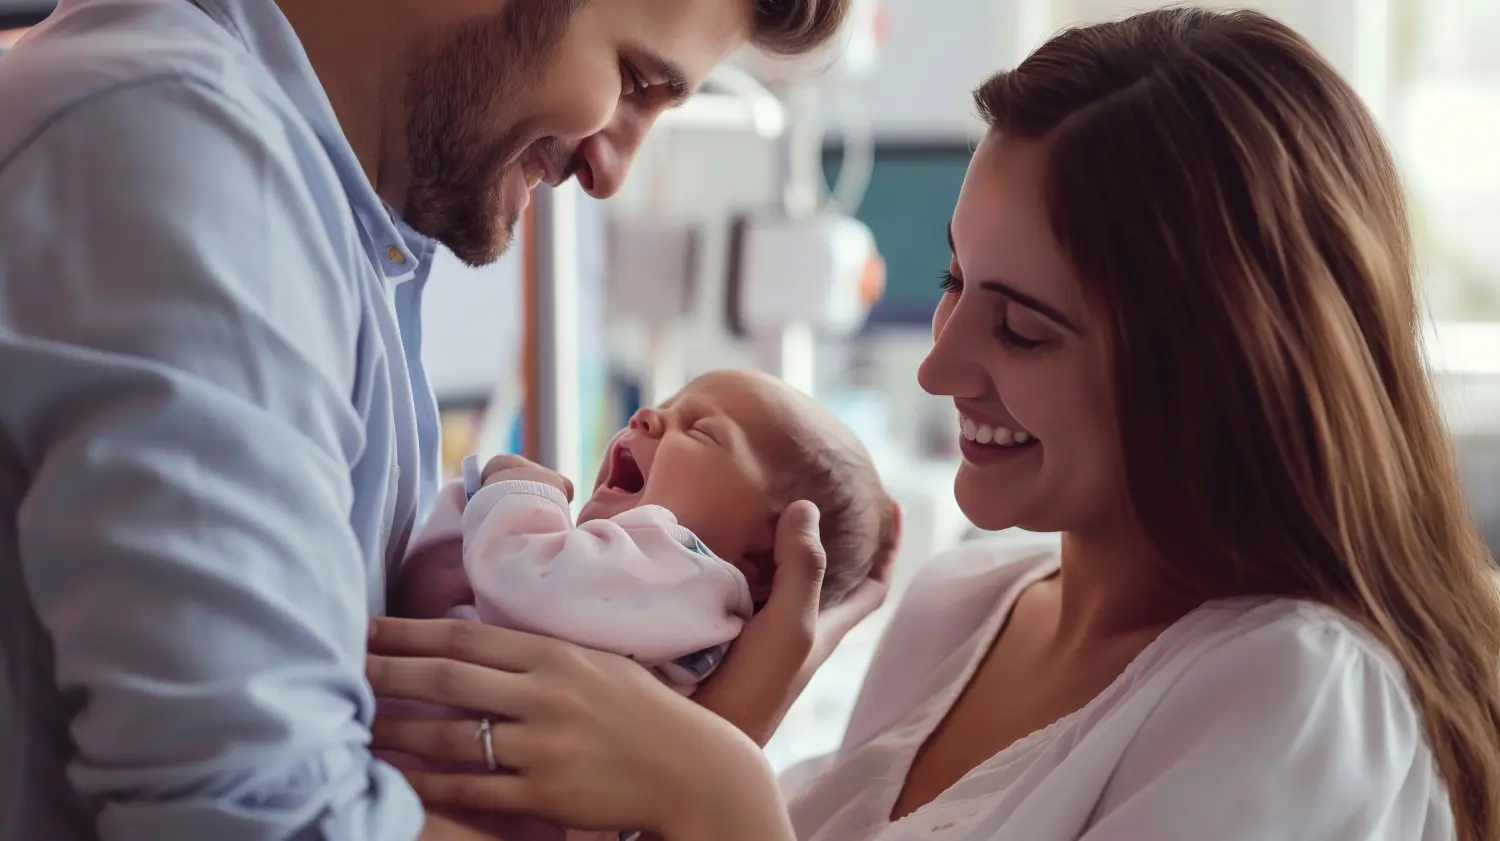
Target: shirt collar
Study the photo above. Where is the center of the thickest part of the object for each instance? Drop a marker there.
(393, 246)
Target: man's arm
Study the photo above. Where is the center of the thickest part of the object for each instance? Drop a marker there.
(177, 358)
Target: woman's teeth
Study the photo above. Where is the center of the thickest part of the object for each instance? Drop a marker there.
(981, 433)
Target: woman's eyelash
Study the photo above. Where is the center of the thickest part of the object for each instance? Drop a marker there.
(948, 283)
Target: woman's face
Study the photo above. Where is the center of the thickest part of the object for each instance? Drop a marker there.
(1025, 363)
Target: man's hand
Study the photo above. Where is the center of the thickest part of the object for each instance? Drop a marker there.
(507, 468)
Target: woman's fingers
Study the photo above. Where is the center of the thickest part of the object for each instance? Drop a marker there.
(450, 739)
(473, 792)
(800, 562)
(448, 682)
(750, 690)
(456, 639)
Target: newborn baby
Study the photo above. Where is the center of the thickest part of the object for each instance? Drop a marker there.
(672, 553)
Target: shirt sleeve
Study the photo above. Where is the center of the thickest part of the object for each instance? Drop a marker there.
(1293, 730)
(177, 355)
(627, 584)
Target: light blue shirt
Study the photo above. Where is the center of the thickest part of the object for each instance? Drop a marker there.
(210, 452)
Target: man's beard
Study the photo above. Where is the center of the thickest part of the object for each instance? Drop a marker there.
(455, 93)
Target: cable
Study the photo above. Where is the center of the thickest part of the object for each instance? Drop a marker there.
(858, 136)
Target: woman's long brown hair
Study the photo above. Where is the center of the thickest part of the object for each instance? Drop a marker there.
(1235, 216)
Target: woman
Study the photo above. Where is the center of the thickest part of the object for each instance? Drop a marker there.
(1182, 272)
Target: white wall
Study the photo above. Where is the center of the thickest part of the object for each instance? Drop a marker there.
(934, 54)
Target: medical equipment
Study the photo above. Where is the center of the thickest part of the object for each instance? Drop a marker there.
(822, 271)
(677, 237)
(909, 198)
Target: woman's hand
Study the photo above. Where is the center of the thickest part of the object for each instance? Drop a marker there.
(598, 742)
(595, 741)
(788, 640)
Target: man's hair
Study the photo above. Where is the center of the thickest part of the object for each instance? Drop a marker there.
(856, 522)
(794, 27)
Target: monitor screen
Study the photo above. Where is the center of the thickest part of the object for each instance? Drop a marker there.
(912, 191)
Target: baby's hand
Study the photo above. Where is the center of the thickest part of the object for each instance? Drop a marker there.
(511, 468)
(432, 582)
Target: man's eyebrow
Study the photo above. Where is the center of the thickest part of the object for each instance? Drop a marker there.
(1026, 300)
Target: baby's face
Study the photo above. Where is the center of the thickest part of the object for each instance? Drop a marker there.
(701, 456)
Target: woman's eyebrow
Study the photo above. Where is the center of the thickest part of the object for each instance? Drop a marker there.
(1025, 299)
(1028, 301)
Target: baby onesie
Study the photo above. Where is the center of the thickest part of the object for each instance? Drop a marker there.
(638, 584)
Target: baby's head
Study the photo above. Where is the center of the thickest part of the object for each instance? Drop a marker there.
(728, 454)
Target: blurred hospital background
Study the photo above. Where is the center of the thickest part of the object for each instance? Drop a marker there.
(791, 217)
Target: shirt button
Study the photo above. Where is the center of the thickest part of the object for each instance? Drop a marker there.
(395, 256)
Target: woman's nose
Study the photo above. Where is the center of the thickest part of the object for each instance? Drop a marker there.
(953, 368)
(648, 421)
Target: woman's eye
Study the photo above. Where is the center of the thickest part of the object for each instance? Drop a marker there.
(949, 283)
(1011, 339)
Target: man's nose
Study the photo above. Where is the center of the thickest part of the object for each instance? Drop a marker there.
(610, 152)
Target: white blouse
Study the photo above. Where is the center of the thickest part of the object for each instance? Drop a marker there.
(1247, 720)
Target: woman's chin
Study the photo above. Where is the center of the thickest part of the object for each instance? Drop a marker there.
(986, 509)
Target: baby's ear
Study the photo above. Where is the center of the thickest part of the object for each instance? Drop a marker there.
(759, 567)
(759, 563)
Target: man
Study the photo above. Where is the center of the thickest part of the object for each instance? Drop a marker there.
(215, 431)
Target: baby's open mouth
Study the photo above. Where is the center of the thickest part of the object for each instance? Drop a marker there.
(624, 472)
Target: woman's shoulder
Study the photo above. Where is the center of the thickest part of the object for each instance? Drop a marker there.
(1304, 640)
(1292, 654)
(1255, 701)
